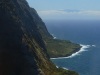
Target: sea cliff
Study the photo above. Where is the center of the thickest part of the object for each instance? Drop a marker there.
(22, 45)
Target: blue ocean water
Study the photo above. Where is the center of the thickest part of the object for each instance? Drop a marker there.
(85, 32)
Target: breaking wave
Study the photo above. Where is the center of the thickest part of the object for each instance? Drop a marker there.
(53, 36)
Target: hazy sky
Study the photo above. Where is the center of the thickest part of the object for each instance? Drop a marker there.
(67, 9)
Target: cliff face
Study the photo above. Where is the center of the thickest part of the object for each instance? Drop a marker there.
(22, 50)
(41, 25)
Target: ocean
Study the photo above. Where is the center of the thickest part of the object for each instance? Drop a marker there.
(85, 33)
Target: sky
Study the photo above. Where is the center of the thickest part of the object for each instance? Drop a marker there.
(67, 9)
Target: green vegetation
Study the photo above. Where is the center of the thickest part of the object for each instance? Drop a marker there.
(60, 48)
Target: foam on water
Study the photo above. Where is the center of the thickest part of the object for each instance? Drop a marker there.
(65, 68)
(84, 48)
(93, 45)
(62, 67)
(53, 36)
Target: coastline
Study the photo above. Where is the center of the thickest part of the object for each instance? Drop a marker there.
(75, 53)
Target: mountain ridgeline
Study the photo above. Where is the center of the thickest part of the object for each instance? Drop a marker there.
(23, 42)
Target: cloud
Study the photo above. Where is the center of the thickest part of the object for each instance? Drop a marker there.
(68, 11)
(51, 12)
(69, 14)
(90, 12)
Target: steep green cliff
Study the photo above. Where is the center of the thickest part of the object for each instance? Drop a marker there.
(22, 50)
